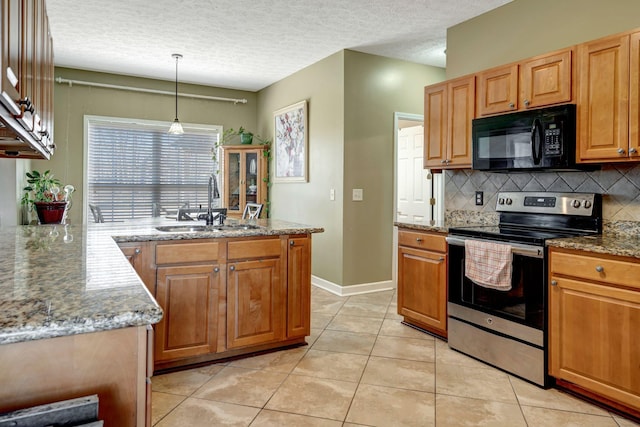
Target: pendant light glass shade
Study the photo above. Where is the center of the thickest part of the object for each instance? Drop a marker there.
(176, 127)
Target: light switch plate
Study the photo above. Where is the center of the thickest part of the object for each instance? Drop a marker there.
(358, 194)
(332, 194)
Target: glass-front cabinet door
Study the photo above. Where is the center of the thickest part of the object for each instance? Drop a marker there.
(244, 172)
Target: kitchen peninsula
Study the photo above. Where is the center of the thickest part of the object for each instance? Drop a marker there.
(75, 317)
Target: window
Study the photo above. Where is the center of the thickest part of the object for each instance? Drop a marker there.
(135, 169)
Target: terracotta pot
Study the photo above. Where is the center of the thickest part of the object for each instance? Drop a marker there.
(50, 212)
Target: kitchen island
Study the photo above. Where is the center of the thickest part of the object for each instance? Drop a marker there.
(75, 317)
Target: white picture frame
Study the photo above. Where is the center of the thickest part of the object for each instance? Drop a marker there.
(290, 143)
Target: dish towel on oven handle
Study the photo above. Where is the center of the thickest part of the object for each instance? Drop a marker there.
(488, 264)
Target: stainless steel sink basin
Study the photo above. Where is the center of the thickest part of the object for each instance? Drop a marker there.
(182, 228)
(209, 228)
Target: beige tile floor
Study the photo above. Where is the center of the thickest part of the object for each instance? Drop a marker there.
(362, 367)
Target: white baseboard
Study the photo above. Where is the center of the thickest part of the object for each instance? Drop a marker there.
(344, 291)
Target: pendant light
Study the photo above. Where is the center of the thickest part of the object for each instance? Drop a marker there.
(176, 127)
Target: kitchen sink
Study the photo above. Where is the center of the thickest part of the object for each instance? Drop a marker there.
(207, 228)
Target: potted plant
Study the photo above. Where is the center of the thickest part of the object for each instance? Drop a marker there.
(44, 194)
(229, 135)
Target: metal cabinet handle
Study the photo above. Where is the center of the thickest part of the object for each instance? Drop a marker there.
(443, 161)
(137, 251)
(526, 102)
(418, 239)
(554, 283)
(620, 151)
(599, 268)
(511, 105)
(292, 243)
(441, 259)
(216, 269)
(632, 150)
(232, 268)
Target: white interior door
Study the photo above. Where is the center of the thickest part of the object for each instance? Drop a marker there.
(413, 188)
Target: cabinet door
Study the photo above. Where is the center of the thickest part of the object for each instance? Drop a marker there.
(546, 80)
(435, 126)
(593, 338)
(10, 72)
(603, 100)
(140, 255)
(244, 172)
(255, 301)
(422, 288)
(461, 99)
(634, 97)
(299, 287)
(188, 296)
(498, 90)
(232, 185)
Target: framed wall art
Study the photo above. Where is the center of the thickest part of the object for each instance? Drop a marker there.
(290, 143)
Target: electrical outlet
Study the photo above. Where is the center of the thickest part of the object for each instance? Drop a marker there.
(332, 194)
(479, 198)
(357, 194)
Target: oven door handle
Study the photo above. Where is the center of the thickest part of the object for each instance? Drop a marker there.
(516, 248)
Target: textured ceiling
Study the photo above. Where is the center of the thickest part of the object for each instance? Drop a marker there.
(247, 44)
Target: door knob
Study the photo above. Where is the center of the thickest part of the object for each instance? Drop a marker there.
(554, 283)
(620, 151)
(216, 269)
(232, 268)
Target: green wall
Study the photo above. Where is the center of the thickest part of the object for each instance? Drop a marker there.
(322, 86)
(525, 28)
(375, 88)
(352, 97)
(72, 103)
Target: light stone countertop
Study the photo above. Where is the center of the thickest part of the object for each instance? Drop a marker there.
(618, 237)
(58, 280)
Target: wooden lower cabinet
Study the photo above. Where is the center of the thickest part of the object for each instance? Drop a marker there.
(299, 287)
(189, 296)
(111, 364)
(422, 280)
(226, 297)
(594, 318)
(255, 298)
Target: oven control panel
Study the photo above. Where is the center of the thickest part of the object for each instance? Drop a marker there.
(581, 204)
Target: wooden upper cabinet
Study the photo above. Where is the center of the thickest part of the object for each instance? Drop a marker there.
(532, 83)
(435, 126)
(546, 80)
(448, 111)
(10, 71)
(603, 99)
(634, 97)
(498, 90)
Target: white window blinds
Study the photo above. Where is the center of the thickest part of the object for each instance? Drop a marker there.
(135, 169)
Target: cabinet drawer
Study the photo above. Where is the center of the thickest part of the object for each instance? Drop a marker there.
(254, 249)
(620, 271)
(430, 241)
(187, 252)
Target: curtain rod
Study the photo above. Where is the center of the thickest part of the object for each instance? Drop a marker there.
(139, 89)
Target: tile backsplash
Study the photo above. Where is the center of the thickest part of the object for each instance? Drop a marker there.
(618, 184)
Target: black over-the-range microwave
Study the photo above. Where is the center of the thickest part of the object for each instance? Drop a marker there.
(538, 139)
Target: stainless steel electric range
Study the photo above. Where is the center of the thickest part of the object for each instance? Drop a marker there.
(508, 329)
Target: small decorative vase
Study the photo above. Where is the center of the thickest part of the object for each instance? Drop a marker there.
(246, 138)
(50, 212)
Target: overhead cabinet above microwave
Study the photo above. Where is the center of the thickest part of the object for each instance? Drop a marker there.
(26, 80)
(536, 82)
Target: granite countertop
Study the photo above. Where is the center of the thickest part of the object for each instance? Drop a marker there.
(58, 280)
(618, 237)
(452, 219)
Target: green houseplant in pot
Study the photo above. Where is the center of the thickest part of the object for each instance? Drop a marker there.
(244, 135)
(45, 196)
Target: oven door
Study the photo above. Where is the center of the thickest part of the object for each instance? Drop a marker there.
(523, 304)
